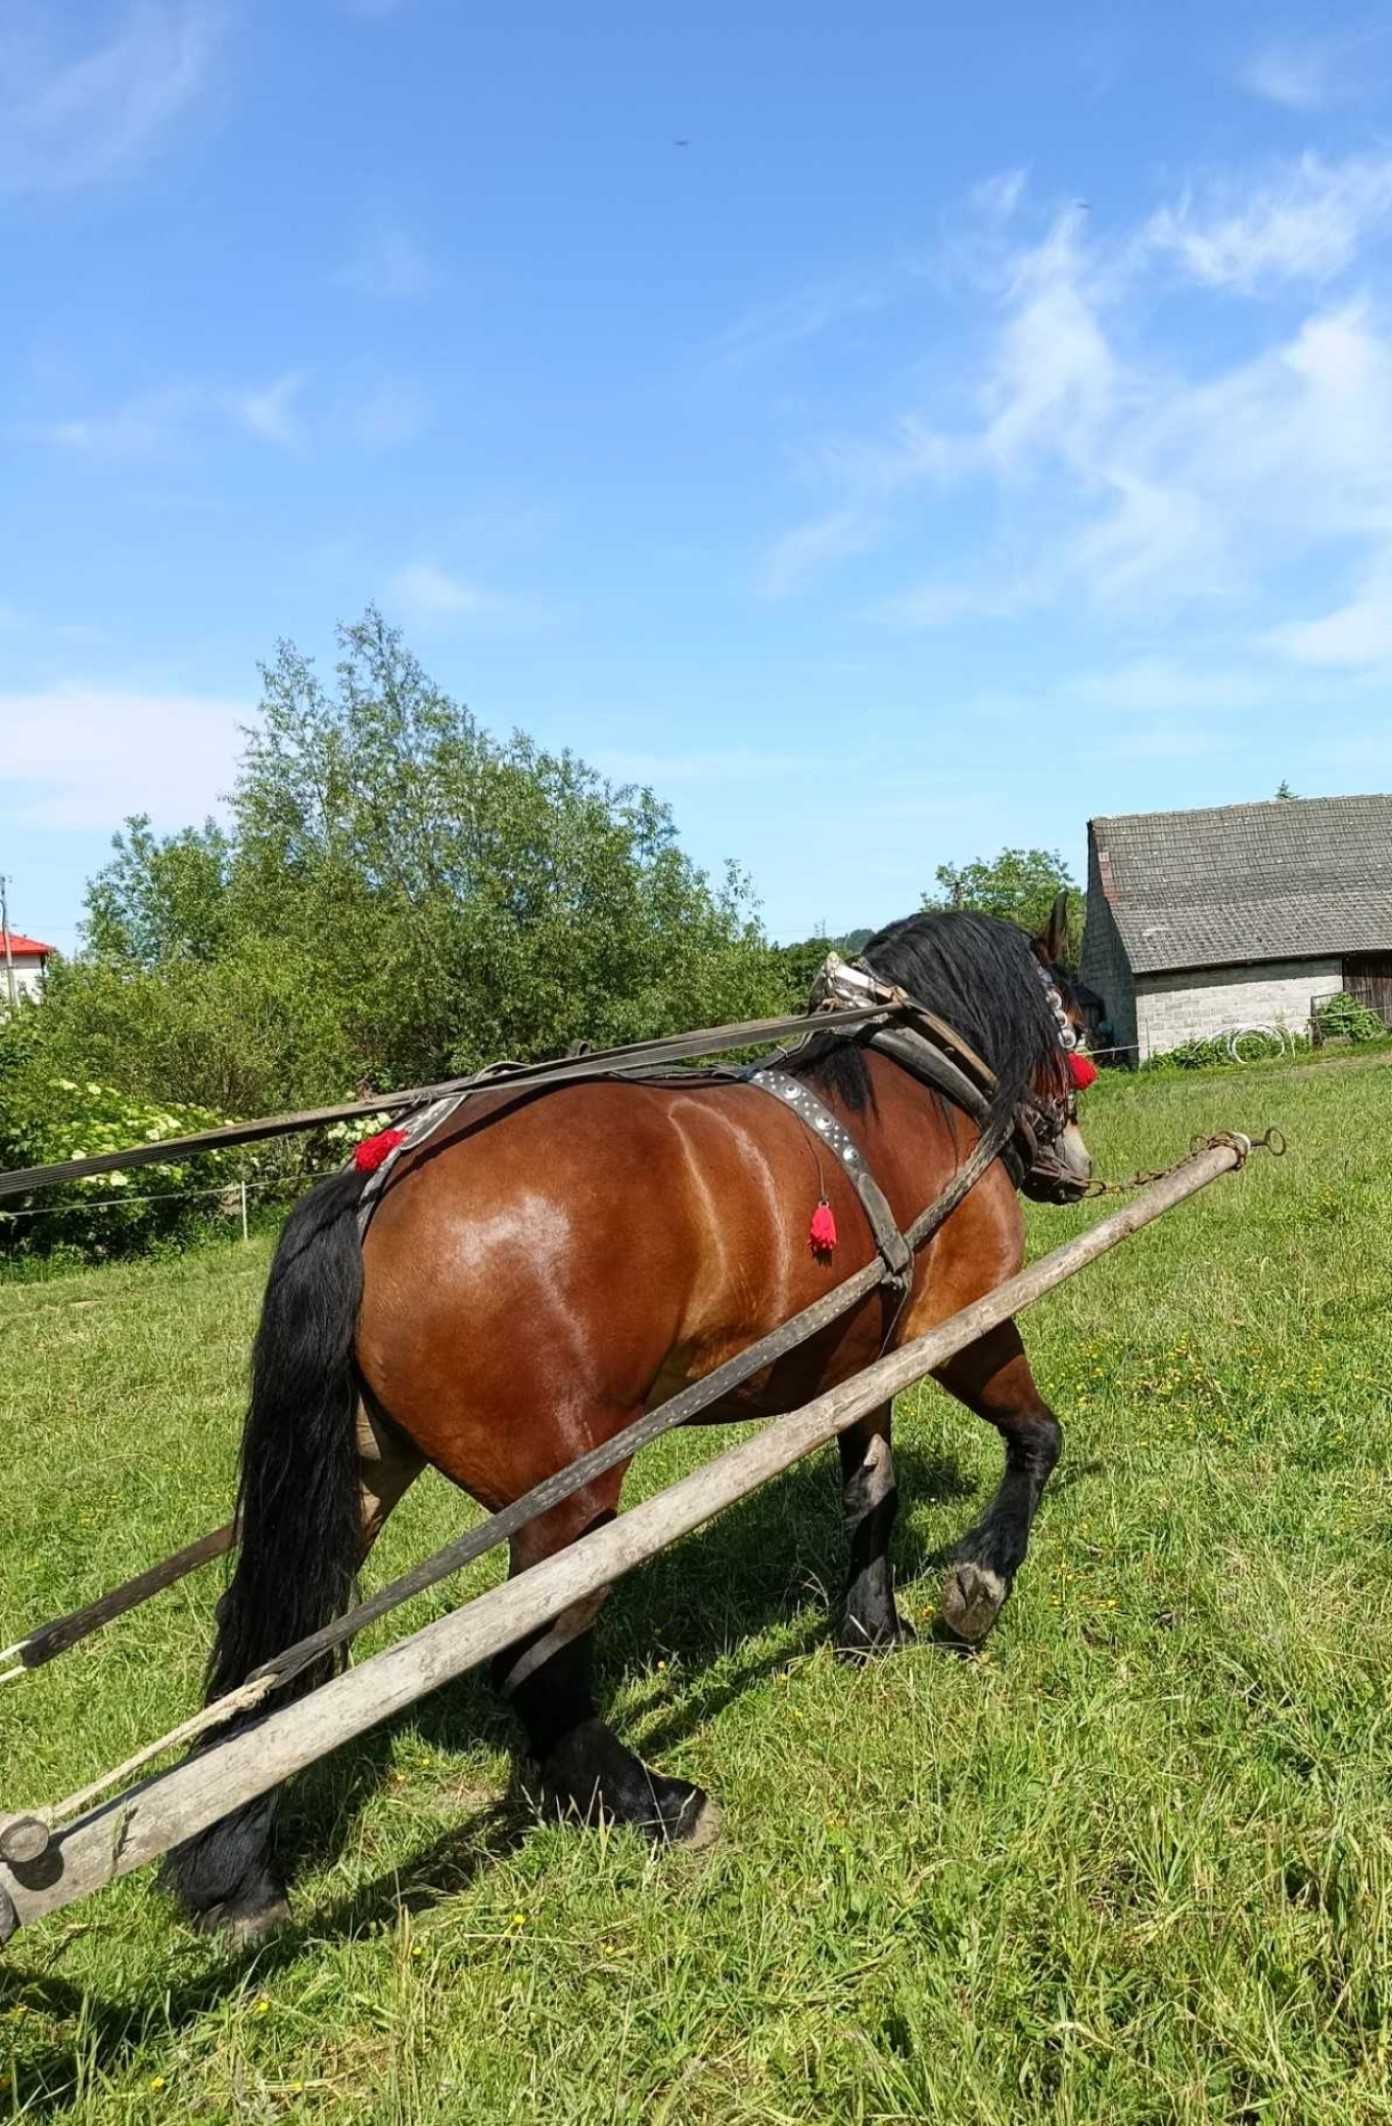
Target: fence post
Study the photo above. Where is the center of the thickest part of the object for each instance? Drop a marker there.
(245, 1234)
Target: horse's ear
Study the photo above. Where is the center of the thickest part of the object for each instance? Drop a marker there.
(1051, 945)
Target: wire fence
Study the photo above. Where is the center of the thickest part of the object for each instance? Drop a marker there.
(234, 1196)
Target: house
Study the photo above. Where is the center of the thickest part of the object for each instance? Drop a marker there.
(22, 964)
(1198, 922)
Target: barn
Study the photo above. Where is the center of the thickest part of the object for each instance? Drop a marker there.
(1199, 922)
(22, 964)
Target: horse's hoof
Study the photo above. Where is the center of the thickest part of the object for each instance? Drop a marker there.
(704, 1830)
(860, 1644)
(684, 1814)
(241, 1929)
(971, 1600)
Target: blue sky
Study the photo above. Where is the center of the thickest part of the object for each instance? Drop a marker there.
(984, 421)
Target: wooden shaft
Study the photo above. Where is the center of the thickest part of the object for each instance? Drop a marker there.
(47, 1640)
(634, 1057)
(139, 1826)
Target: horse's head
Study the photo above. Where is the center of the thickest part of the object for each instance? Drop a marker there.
(1064, 1168)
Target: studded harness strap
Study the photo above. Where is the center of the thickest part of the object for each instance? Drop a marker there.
(937, 1055)
(895, 1249)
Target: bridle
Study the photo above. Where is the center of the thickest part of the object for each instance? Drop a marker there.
(1048, 1179)
(922, 1042)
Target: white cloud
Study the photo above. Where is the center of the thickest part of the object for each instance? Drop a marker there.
(1353, 637)
(1161, 533)
(271, 414)
(770, 329)
(431, 593)
(1054, 376)
(382, 413)
(994, 596)
(83, 118)
(996, 198)
(800, 553)
(1306, 222)
(390, 264)
(368, 409)
(1295, 75)
(1095, 474)
(84, 756)
(140, 427)
(1310, 73)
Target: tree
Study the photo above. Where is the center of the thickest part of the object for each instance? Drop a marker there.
(398, 897)
(1019, 885)
(161, 900)
(801, 962)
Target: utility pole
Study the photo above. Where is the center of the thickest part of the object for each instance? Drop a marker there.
(9, 949)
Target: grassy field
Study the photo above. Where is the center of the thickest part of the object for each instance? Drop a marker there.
(1134, 1863)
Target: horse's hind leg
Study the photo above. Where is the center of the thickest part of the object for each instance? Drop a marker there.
(584, 1770)
(230, 1879)
(388, 1465)
(993, 1378)
(870, 1622)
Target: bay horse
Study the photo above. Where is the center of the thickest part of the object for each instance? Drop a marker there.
(552, 1264)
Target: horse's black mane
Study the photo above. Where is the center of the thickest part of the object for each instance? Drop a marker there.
(979, 974)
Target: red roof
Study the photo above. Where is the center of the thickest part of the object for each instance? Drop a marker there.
(23, 945)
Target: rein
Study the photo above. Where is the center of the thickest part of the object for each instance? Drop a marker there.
(634, 1057)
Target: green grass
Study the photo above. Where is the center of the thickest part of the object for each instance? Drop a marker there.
(1132, 1865)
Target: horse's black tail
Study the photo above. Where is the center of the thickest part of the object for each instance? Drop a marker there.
(297, 1503)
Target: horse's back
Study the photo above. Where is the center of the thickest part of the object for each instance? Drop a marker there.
(551, 1262)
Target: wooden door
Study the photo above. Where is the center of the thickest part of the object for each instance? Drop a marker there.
(1369, 978)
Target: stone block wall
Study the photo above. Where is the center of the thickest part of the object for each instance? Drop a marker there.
(1104, 965)
(1198, 1003)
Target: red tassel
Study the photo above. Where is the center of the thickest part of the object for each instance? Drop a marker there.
(823, 1233)
(373, 1150)
(1083, 1070)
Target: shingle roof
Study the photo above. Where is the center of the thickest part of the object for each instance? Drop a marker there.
(1287, 880)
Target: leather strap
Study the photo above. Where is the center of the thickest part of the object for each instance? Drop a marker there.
(927, 1063)
(416, 1129)
(893, 1247)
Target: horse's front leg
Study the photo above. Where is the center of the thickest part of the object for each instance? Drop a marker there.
(584, 1771)
(993, 1378)
(871, 1624)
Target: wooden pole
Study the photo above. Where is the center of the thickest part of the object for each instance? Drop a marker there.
(9, 950)
(48, 1640)
(634, 1057)
(136, 1827)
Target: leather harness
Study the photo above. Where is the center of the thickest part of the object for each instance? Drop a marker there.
(913, 1037)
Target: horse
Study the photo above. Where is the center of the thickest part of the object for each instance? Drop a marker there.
(553, 1264)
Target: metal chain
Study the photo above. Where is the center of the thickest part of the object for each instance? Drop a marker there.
(1272, 1141)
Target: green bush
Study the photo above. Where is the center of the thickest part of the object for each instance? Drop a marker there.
(398, 897)
(1190, 1055)
(1345, 1018)
(44, 1119)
